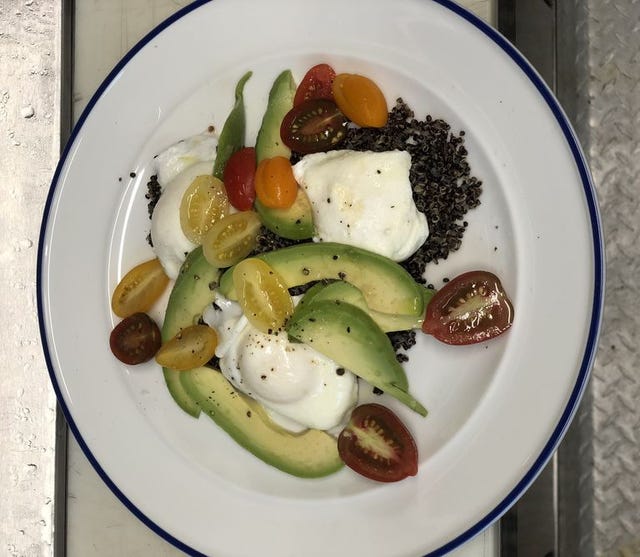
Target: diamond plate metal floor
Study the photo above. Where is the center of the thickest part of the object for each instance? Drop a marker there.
(608, 121)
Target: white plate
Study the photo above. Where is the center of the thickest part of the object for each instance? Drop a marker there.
(497, 411)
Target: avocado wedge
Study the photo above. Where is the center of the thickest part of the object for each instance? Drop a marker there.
(385, 285)
(191, 293)
(310, 454)
(341, 291)
(350, 337)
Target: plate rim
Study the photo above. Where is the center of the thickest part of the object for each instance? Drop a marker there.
(597, 242)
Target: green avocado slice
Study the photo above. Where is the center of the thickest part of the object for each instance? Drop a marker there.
(386, 286)
(340, 290)
(191, 293)
(310, 454)
(350, 337)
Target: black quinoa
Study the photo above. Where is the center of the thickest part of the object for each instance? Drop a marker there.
(443, 187)
(153, 194)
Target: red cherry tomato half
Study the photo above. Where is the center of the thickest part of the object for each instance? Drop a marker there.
(316, 84)
(136, 339)
(313, 126)
(238, 177)
(377, 445)
(471, 308)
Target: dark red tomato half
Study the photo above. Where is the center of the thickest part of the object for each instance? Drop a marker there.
(377, 445)
(313, 126)
(471, 308)
(135, 339)
(316, 84)
(239, 176)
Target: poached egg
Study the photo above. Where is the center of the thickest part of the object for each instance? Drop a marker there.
(363, 199)
(298, 387)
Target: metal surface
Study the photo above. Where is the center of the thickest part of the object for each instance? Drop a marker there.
(610, 95)
(29, 147)
(596, 501)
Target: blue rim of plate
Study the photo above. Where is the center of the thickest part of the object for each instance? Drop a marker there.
(598, 290)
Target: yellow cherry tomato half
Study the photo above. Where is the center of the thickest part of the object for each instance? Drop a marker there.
(262, 294)
(275, 184)
(231, 238)
(139, 289)
(192, 347)
(361, 100)
(203, 203)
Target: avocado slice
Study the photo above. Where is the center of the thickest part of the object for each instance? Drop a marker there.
(310, 454)
(295, 222)
(268, 142)
(347, 335)
(387, 287)
(191, 293)
(342, 291)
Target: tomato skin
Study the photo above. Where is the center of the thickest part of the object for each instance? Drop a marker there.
(276, 187)
(313, 126)
(136, 339)
(361, 100)
(262, 294)
(238, 177)
(139, 289)
(231, 238)
(192, 347)
(471, 308)
(316, 84)
(377, 445)
(204, 202)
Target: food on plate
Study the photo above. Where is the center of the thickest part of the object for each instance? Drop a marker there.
(299, 273)
(360, 99)
(139, 289)
(363, 199)
(378, 445)
(191, 347)
(471, 308)
(135, 340)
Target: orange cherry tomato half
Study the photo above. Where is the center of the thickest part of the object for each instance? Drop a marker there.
(377, 445)
(276, 186)
(361, 100)
(316, 84)
(139, 289)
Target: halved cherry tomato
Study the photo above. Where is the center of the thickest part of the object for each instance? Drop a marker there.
(238, 178)
(313, 126)
(471, 308)
(377, 445)
(231, 239)
(361, 100)
(276, 186)
(316, 84)
(139, 289)
(204, 202)
(192, 347)
(136, 339)
(262, 294)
